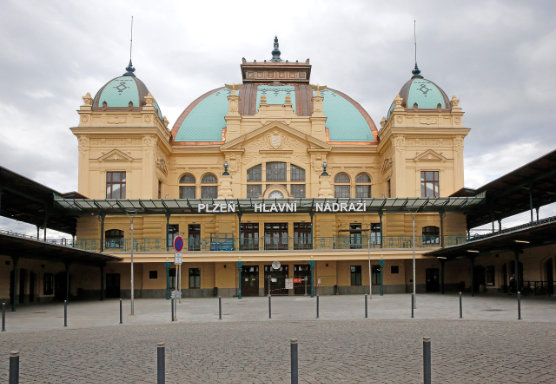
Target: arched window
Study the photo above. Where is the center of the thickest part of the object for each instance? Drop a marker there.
(341, 185)
(362, 186)
(209, 187)
(261, 176)
(431, 235)
(187, 186)
(114, 238)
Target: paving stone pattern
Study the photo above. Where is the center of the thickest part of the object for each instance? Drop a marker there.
(330, 351)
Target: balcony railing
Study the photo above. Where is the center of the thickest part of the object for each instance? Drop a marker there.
(269, 244)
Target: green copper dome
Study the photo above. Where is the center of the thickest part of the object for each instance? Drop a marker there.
(123, 93)
(203, 120)
(422, 93)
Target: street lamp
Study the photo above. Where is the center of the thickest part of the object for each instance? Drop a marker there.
(369, 259)
(414, 283)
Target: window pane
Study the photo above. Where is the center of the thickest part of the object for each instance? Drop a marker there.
(276, 171)
(209, 192)
(188, 178)
(341, 191)
(297, 173)
(209, 178)
(298, 190)
(254, 173)
(362, 191)
(363, 178)
(187, 192)
(341, 178)
(254, 191)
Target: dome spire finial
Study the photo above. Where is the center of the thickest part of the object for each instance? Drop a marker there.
(130, 68)
(276, 51)
(416, 71)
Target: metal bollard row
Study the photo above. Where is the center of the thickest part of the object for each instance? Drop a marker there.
(14, 368)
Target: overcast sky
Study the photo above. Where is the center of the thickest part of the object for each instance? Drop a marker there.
(497, 57)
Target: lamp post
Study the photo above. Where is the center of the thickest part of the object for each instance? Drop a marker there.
(369, 259)
(414, 283)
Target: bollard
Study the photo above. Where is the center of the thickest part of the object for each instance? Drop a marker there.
(121, 311)
(317, 306)
(366, 309)
(427, 359)
(412, 306)
(65, 313)
(219, 308)
(14, 368)
(160, 364)
(172, 308)
(294, 366)
(269, 307)
(3, 317)
(460, 306)
(518, 305)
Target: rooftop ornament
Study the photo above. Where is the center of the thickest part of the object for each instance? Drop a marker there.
(276, 52)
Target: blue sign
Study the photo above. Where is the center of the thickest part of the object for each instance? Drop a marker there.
(178, 243)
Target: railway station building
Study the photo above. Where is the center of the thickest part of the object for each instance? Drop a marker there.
(276, 184)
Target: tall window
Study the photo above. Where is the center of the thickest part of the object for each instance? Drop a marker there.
(355, 274)
(375, 234)
(114, 238)
(363, 186)
(355, 236)
(431, 235)
(187, 186)
(341, 185)
(115, 185)
(261, 176)
(194, 278)
(489, 276)
(429, 184)
(48, 284)
(173, 232)
(302, 236)
(249, 238)
(209, 188)
(194, 237)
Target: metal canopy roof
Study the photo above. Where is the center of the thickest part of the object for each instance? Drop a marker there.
(306, 205)
(525, 236)
(27, 248)
(509, 195)
(25, 200)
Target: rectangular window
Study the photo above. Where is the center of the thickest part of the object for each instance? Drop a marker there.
(297, 173)
(48, 284)
(394, 269)
(209, 192)
(115, 185)
(187, 191)
(173, 232)
(276, 236)
(362, 191)
(341, 191)
(489, 276)
(298, 190)
(194, 278)
(355, 238)
(429, 184)
(194, 237)
(153, 275)
(276, 171)
(375, 234)
(249, 238)
(302, 236)
(355, 272)
(254, 190)
(375, 270)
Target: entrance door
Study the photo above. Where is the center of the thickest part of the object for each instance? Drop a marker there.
(250, 280)
(277, 279)
(112, 285)
(432, 280)
(478, 278)
(22, 281)
(301, 279)
(32, 279)
(549, 276)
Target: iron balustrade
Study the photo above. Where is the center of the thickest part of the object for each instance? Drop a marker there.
(228, 244)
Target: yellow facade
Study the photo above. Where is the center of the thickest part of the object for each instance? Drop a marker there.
(138, 142)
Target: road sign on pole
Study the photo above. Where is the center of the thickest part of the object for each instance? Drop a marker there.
(177, 258)
(178, 243)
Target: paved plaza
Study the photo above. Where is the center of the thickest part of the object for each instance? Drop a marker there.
(489, 345)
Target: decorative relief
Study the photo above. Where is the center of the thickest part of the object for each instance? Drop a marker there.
(83, 143)
(116, 119)
(148, 141)
(87, 99)
(458, 143)
(430, 155)
(161, 164)
(428, 120)
(275, 139)
(84, 118)
(387, 164)
(115, 155)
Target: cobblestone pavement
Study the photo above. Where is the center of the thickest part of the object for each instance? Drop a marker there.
(330, 351)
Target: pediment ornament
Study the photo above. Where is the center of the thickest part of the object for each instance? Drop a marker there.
(430, 155)
(115, 155)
